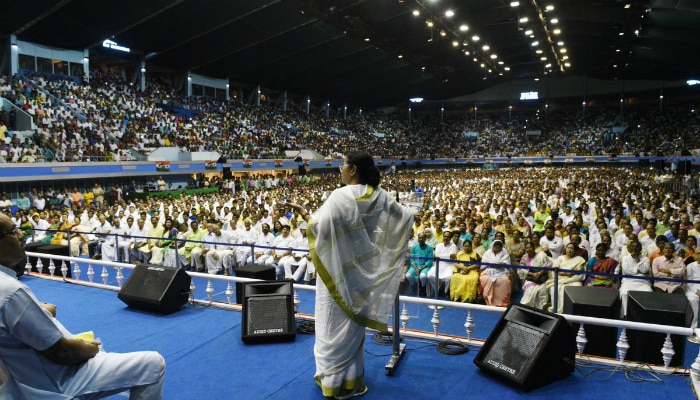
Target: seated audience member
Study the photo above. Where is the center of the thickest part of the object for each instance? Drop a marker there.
(494, 280)
(464, 284)
(421, 260)
(692, 292)
(568, 261)
(669, 265)
(535, 292)
(600, 263)
(634, 264)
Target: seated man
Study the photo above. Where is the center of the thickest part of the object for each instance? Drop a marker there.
(43, 360)
(218, 249)
(421, 260)
(299, 258)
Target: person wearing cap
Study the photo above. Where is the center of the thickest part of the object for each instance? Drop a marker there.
(494, 278)
(44, 360)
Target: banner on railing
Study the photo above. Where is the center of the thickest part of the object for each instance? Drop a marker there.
(328, 160)
(247, 163)
(210, 164)
(279, 163)
(163, 166)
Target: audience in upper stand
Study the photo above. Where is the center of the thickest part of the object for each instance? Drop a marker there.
(102, 119)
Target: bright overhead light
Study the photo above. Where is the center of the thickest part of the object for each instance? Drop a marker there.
(494, 56)
(562, 50)
(549, 8)
(475, 38)
(485, 47)
(449, 13)
(621, 33)
(617, 50)
(523, 20)
(455, 43)
(367, 39)
(416, 13)
(483, 65)
(506, 69)
(692, 82)
(430, 23)
(565, 58)
(466, 52)
(463, 28)
(567, 65)
(548, 65)
(543, 58)
(416, 99)
(400, 56)
(500, 62)
(528, 32)
(628, 5)
(443, 33)
(535, 43)
(538, 51)
(514, 3)
(560, 43)
(556, 31)
(554, 20)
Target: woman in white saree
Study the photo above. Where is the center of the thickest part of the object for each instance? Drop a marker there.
(357, 242)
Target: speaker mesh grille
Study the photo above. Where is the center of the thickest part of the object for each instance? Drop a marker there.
(514, 350)
(267, 315)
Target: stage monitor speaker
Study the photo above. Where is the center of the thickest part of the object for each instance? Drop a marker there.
(302, 170)
(599, 303)
(662, 309)
(156, 288)
(253, 271)
(227, 173)
(529, 348)
(268, 312)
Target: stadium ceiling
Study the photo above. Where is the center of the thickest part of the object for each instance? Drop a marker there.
(379, 52)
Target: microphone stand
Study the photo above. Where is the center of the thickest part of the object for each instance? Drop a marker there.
(398, 348)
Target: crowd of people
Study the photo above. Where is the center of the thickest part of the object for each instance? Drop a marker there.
(102, 118)
(474, 239)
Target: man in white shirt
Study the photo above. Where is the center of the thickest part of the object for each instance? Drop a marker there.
(246, 238)
(444, 251)
(554, 243)
(299, 258)
(282, 246)
(218, 250)
(263, 246)
(121, 242)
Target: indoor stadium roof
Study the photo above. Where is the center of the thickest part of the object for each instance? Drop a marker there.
(379, 52)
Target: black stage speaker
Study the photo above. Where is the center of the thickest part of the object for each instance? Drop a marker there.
(268, 312)
(253, 271)
(656, 308)
(227, 173)
(599, 303)
(156, 288)
(529, 348)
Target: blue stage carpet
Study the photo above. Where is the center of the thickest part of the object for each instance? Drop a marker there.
(207, 360)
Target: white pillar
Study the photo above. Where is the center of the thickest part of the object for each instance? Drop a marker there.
(14, 55)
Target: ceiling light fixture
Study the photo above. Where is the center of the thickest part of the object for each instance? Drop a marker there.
(463, 28)
(514, 3)
(449, 13)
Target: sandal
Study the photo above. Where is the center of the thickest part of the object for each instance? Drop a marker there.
(358, 391)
